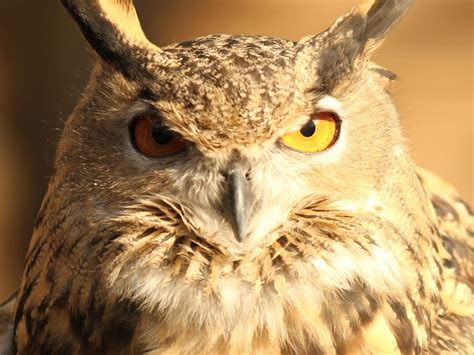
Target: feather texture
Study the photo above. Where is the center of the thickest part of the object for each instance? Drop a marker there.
(351, 250)
(453, 332)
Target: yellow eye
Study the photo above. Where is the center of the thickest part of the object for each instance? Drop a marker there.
(320, 133)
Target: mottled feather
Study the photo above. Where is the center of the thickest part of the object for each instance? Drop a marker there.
(351, 250)
(454, 330)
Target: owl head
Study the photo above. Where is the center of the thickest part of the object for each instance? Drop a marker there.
(223, 145)
(235, 131)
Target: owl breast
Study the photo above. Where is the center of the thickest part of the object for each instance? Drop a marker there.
(291, 295)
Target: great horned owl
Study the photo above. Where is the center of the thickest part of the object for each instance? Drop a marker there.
(242, 195)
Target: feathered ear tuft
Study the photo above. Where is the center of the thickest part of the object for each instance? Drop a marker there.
(350, 40)
(113, 29)
(369, 23)
(381, 16)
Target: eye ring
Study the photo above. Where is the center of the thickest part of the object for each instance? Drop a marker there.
(153, 138)
(318, 134)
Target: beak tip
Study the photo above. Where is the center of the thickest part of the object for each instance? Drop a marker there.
(240, 231)
(240, 198)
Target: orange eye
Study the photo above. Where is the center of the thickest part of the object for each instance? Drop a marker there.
(154, 139)
(318, 134)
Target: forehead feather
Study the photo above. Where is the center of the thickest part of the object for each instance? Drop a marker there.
(234, 87)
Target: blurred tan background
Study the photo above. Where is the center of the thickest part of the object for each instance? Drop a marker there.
(44, 63)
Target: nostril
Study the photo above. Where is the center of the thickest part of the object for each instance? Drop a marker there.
(224, 174)
(227, 173)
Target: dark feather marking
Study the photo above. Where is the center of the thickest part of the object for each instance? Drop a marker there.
(420, 314)
(421, 285)
(103, 37)
(22, 301)
(283, 241)
(51, 346)
(120, 327)
(385, 73)
(42, 213)
(443, 208)
(383, 15)
(9, 299)
(107, 247)
(279, 263)
(356, 295)
(332, 235)
(277, 260)
(404, 332)
(50, 275)
(96, 309)
(146, 233)
(448, 263)
(303, 233)
(193, 245)
(447, 243)
(71, 247)
(208, 256)
(29, 322)
(179, 241)
(77, 321)
(337, 57)
(295, 248)
(291, 247)
(33, 255)
(148, 94)
(42, 319)
(413, 254)
(84, 322)
(94, 241)
(235, 264)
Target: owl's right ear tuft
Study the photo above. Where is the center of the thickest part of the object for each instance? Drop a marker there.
(113, 29)
(367, 25)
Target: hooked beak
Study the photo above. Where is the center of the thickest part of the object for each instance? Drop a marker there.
(240, 198)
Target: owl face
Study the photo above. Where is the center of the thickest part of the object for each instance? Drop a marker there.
(242, 105)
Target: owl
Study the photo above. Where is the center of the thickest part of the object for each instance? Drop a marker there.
(242, 195)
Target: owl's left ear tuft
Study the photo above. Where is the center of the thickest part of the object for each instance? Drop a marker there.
(381, 16)
(367, 25)
(350, 40)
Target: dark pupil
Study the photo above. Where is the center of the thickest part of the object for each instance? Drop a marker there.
(161, 134)
(308, 129)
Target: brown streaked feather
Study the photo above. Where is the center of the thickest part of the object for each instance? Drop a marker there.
(374, 338)
(454, 330)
